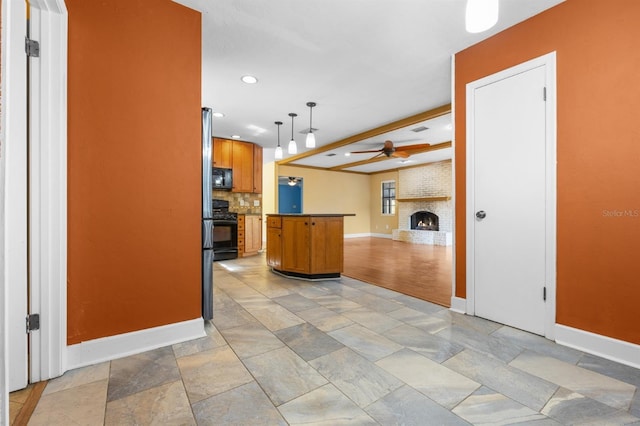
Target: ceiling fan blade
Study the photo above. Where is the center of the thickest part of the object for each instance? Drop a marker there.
(400, 154)
(412, 147)
(366, 152)
(376, 156)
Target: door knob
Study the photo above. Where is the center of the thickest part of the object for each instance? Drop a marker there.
(481, 214)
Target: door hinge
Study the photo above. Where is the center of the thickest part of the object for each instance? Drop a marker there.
(32, 47)
(544, 294)
(544, 94)
(33, 322)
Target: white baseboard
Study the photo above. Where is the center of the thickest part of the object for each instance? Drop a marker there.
(458, 304)
(113, 347)
(367, 234)
(387, 236)
(596, 344)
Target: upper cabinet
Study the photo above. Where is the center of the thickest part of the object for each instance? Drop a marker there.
(242, 165)
(222, 152)
(244, 158)
(257, 169)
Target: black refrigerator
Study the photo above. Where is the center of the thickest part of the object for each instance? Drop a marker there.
(207, 221)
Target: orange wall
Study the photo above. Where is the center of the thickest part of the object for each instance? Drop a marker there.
(133, 166)
(598, 154)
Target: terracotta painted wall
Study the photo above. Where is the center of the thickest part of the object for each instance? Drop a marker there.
(133, 166)
(598, 154)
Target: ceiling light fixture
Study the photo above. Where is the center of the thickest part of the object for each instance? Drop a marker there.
(249, 79)
(218, 114)
(347, 154)
(292, 148)
(235, 136)
(310, 142)
(278, 148)
(481, 15)
(292, 181)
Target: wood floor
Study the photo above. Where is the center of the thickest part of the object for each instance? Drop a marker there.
(422, 271)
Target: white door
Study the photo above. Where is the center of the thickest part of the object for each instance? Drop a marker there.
(510, 194)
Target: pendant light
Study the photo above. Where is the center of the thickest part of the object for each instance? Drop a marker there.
(293, 148)
(481, 15)
(278, 148)
(311, 138)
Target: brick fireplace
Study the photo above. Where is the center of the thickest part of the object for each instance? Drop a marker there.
(425, 190)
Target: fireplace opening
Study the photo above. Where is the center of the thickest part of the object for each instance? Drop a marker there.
(425, 221)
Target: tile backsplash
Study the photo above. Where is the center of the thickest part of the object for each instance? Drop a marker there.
(241, 202)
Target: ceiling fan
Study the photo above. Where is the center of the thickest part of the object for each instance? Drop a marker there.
(391, 151)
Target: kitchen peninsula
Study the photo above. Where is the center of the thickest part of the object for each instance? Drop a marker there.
(309, 246)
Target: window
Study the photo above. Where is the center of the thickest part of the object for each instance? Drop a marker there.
(389, 197)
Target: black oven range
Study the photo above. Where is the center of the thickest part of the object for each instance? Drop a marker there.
(225, 231)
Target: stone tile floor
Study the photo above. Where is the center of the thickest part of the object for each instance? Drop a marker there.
(338, 352)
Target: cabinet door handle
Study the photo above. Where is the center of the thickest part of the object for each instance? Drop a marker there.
(313, 223)
(306, 223)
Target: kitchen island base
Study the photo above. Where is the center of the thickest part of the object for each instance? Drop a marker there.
(306, 246)
(307, 277)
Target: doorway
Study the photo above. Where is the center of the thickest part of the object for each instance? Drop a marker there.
(290, 194)
(511, 196)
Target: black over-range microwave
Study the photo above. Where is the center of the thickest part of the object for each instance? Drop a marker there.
(222, 178)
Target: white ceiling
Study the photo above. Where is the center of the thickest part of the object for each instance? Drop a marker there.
(364, 62)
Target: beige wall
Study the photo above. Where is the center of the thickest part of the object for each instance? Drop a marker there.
(333, 192)
(381, 224)
(268, 196)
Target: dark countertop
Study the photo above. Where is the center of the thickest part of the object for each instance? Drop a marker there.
(314, 215)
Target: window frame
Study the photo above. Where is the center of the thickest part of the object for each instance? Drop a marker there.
(392, 204)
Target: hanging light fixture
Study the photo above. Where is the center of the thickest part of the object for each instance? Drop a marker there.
(278, 148)
(310, 142)
(292, 181)
(293, 148)
(481, 15)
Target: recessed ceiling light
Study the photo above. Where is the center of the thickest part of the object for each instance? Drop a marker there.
(218, 114)
(405, 161)
(347, 154)
(449, 126)
(235, 136)
(249, 79)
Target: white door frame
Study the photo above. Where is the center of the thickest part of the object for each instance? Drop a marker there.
(14, 193)
(48, 188)
(48, 182)
(549, 61)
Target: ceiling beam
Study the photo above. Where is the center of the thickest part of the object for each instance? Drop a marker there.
(423, 116)
(384, 157)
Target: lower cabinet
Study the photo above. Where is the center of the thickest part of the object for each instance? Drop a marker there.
(252, 234)
(241, 234)
(306, 246)
(274, 248)
(249, 234)
(295, 244)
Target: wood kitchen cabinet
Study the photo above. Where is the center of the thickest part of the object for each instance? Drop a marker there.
(222, 153)
(257, 169)
(249, 234)
(252, 234)
(241, 234)
(244, 158)
(274, 242)
(306, 246)
(242, 166)
(295, 244)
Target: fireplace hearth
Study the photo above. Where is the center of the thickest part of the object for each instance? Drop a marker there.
(424, 221)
